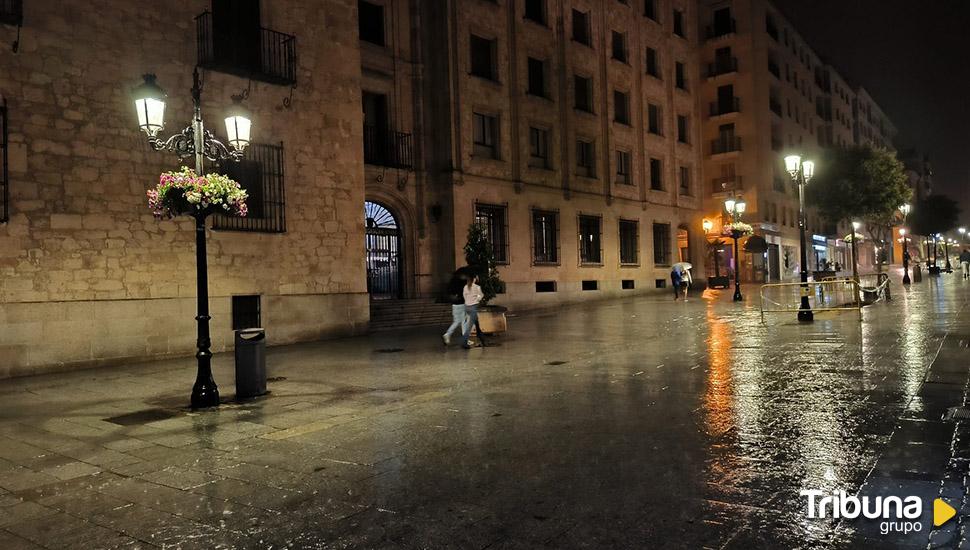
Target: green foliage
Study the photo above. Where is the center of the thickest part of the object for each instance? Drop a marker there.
(481, 259)
(859, 183)
(935, 214)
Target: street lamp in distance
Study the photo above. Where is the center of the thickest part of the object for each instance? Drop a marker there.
(905, 208)
(736, 207)
(801, 172)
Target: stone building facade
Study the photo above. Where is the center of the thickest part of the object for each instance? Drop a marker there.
(87, 275)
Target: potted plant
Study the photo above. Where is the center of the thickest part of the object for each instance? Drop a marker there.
(481, 262)
(715, 248)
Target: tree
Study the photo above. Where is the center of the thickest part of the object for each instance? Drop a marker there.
(932, 215)
(861, 183)
(481, 262)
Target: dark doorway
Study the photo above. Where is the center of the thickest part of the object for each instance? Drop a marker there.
(383, 252)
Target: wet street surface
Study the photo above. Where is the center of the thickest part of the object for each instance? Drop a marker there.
(642, 423)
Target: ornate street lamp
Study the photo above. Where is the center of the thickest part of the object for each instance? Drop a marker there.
(194, 141)
(801, 173)
(946, 251)
(905, 208)
(736, 207)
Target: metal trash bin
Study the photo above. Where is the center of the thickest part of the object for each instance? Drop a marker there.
(917, 274)
(250, 362)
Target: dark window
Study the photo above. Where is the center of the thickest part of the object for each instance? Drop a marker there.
(679, 76)
(245, 312)
(584, 93)
(770, 27)
(650, 9)
(485, 138)
(585, 161)
(591, 285)
(623, 168)
(538, 148)
(231, 39)
(661, 283)
(589, 240)
(535, 10)
(12, 12)
(537, 77)
(654, 123)
(679, 23)
(653, 63)
(621, 107)
(661, 244)
(581, 28)
(627, 284)
(619, 46)
(545, 237)
(685, 188)
(683, 129)
(370, 22)
(492, 220)
(723, 22)
(656, 175)
(483, 57)
(545, 286)
(4, 174)
(260, 173)
(629, 242)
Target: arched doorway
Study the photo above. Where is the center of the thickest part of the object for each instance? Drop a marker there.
(383, 252)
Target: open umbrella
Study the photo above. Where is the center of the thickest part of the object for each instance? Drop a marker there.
(682, 266)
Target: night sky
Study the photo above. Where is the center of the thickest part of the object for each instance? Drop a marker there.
(912, 57)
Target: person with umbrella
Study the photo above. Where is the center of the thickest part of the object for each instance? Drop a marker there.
(680, 278)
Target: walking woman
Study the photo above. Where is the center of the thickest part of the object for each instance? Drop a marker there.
(457, 299)
(473, 295)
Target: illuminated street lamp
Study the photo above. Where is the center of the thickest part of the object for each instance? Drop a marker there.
(905, 210)
(196, 142)
(801, 173)
(736, 207)
(855, 256)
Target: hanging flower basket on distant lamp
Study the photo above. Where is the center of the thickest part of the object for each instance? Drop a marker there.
(185, 192)
(742, 229)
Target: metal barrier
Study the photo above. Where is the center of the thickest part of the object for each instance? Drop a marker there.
(826, 295)
(877, 290)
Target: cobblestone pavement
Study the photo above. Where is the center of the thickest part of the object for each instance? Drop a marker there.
(627, 424)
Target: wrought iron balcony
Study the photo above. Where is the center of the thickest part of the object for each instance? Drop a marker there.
(271, 58)
(723, 29)
(727, 144)
(387, 148)
(723, 107)
(12, 12)
(722, 66)
(726, 184)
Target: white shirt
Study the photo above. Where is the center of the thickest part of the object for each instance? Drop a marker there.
(473, 294)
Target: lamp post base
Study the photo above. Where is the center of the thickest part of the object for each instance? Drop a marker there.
(737, 295)
(805, 314)
(906, 280)
(205, 394)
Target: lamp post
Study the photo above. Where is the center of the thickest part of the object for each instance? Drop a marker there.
(855, 256)
(902, 231)
(736, 207)
(194, 141)
(801, 173)
(946, 251)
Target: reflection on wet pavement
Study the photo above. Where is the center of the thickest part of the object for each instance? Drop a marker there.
(623, 424)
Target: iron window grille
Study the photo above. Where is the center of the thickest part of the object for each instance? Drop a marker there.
(384, 147)
(590, 240)
(629, 242)
(12, 12)
(260, 173)
(661, 243)
(4, 173)
(538, 148)
(545, 237)
(371, 22)
(623, 168)
(485, 135)
(246, 312)
(493, 220)
(238, 45)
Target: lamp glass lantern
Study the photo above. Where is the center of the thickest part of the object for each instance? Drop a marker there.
(808, 167)
(905, 209)
(740, 206)
(238, 125)
(150, 105)
(707, 225)
(729, 204)
(791, 164)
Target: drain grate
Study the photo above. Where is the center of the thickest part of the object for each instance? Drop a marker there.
(276, 379)
(556, 362)
(142, 417)
(389, 350)
(957, 414)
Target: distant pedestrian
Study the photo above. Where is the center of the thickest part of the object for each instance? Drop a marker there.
(965, 263)
(455, 296)
(680, 278)
(473, 295)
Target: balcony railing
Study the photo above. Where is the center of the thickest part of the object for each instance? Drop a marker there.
(726, 184)
(727, 144)
(723, 107)
(12, 12)
(722, 66)
(387, 148)
(272, 59)
(715, 31)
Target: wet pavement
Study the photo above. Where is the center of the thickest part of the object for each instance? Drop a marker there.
(625, 424)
